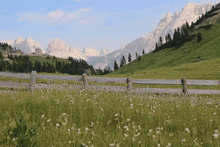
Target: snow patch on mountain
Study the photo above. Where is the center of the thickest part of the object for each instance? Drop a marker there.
(102, 61)
(59, 48)
(90, 52)
(104, 52)
(27, 45)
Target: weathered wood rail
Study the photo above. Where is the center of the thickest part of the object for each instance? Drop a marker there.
(85, 79)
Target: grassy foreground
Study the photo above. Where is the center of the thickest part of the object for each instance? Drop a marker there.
(79, 118)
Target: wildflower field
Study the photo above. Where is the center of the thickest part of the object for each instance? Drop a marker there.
(87, 118)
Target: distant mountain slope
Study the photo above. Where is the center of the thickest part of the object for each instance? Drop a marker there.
(59, 48)
(26, 46)
(189, 53)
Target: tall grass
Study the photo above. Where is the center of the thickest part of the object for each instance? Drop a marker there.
(81, 118)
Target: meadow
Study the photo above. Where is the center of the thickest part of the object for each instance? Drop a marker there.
(88, 118)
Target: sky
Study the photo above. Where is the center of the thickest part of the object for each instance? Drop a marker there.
(95, 24)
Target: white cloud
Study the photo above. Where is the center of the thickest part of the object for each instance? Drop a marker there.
(56, 16)
(85, 21)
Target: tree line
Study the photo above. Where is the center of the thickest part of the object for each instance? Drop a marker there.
(123, 60)
(5, 46)
(23, 64)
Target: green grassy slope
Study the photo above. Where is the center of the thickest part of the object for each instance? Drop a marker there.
(41, 58)
(44, 59)
(193, 60)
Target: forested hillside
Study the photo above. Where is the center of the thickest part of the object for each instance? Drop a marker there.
(25, 63)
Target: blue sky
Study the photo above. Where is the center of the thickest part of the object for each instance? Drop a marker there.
(84, 23)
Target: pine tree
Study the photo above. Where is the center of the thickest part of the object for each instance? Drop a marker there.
(192, 26)
(1, 56)
(124, 60)
(121, 63)
(166, 39)
(143, 52)
(139, 58)
(136, 55)
(169, 37)
(156, 47)
(161, 41)
(199, 37)
(129, 57)
(184, 31)
(187, 26)
(2, 65)
(175, 35)
(115, 65)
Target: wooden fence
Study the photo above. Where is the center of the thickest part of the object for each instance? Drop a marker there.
(85, 79)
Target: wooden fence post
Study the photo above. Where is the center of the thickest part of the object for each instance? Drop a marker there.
(183, 80)
(33, 80)
(129, 82)
(84, 80)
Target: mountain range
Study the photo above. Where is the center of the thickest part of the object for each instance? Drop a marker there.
(106, 58)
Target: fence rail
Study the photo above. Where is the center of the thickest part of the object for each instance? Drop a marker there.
(85, 79)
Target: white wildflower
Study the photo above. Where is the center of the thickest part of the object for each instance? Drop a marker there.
(126, 135)
(86, 130)
(64, 114)
(112, 144)
(68, 131)
(126, 127)
(154, 137)
(57, 124)
(139, 127)
(79, 131)
(42, 116)
(183, 140)
(187, 130)
(215, 135)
